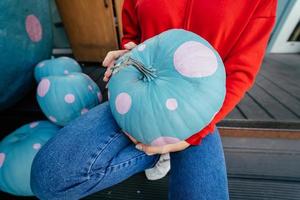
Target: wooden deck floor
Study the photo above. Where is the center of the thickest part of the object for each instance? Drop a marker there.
(275, 95)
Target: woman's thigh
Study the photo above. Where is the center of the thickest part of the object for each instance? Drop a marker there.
(199, 172)
(89, 154)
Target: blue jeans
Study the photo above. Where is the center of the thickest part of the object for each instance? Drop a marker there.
(91, 153)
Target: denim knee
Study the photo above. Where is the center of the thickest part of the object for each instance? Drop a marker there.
(41, 180)
(49, 175)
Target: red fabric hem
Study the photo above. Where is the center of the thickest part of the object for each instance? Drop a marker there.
(197, 138)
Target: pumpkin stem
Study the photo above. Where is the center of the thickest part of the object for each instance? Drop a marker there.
(148, 72)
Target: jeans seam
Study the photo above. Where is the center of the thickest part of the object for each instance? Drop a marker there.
(100, 151)
(127, 161)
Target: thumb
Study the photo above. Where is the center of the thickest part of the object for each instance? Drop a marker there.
(129, 45)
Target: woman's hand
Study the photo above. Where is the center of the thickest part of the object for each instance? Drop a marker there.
(111, 56)
(151, 150)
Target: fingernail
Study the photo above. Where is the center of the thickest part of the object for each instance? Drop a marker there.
(139, 147)
(150, 154)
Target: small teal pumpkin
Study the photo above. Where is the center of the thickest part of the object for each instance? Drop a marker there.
(17, 151)
(63, 98)
(56, 66)
(25, 40)
(167, 88)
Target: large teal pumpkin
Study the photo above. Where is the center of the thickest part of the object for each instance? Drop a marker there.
(25, 40)
(17, 151)
(167, 88)
(56, 66)
(63, 98)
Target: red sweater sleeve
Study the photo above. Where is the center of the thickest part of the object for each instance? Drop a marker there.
(131, 29)
(243, 62)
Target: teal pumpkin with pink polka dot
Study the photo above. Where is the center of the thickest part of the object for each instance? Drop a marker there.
(167, 88)
(64, 98)
(56, 66)
(25, 40)
(17, 151)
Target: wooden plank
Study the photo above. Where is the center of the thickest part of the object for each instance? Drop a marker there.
(235, 114)
(290, 88)
(283, 81)
(291, 60)
(273, 107)
(260, 133)
(290, 72)
(265, 158)
(259, 124)
(90, 27)
(252, 110)
(289, 101)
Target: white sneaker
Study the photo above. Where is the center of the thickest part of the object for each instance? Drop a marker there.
(161, 168)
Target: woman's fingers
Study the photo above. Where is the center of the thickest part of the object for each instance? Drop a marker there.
(129, 45)
(108, 71)
(112, 56)
(151, 150)
(107, 75)
(109, 62)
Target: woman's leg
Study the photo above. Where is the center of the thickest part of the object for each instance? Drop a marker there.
(89, 154)
(199, 172)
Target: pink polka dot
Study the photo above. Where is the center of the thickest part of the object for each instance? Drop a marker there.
(66, 72)
(161, 141)
(90, 87)
(123, 103)
(53, 119)
(171, 104)
(2, 158)
(71, 76)
(36, 146)
(33, 28)
(69, 98)
(43, 87)
(42, 64)
(141, 47)
(33, 124)
(193, 59)
(99, 95)
(83, 111)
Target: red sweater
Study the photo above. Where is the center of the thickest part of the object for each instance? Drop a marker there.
(238, 30)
